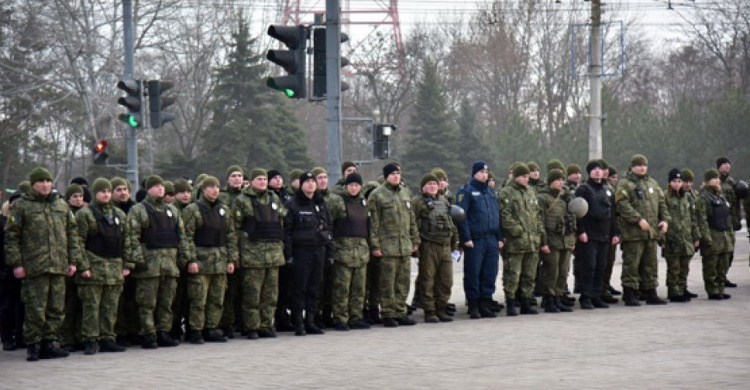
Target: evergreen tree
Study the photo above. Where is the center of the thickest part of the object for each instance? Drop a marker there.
(469, 140)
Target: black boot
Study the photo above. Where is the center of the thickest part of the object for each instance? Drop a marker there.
(375, 316)
(526, 306)
(149, 342)
(628, 296)
(561, 306)
(164, 340)
(679, 298)
(585, 303)
(89, 348)
(608, 298)
(599, 303)
(653, 299)
(690, 294)
(49, 350)
(267, 334)
(474, 309)
(310, 326)
(549, 304)
(495, 305)
(32, 353)
(568, 301)
(485, 311)
(510, 308)
(228, 331)
(194, 336)
(110, 346)
(729, 284)
(299, 323)
(124, 341)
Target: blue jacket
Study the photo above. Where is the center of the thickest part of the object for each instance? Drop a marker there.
(482, 212)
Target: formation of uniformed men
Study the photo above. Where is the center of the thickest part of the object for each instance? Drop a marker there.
(96, 271)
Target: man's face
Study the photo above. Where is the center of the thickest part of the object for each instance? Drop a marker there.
(725, 168)
(156, 191)
(687, 184)
(481, 175)
(522, 180)
(183, 197)
(597, 174)
(676, 184)
(715, 183)
(235, 180)
(309, 186)
(353, 188)
(211, 193)
(394, 178)
(444, 184)
(294, 184)
(349, 171)
(76, 200)
(534, 175)
(612, 179)
(574, 178)
(103, 196)
(277, 182)
(640, 170)
(430, 188)
(557, 184)
(44, 187)
(322, 180)
(491, 183)
(122, 194)
(260, 183)
(168, 198)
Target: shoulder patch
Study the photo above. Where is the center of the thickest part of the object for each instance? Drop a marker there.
(460, 197)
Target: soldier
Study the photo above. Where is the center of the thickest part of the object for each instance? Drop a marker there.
(233, 295)
(307, 245)
(687, 184)
(574, 177)
(608, 292)
(535, 176)
(351, 255)
(597, 232)
(728, 186)
(258, 215)
(11, 307)
(276, 184)
(158, 246)
(438, 237)
(347, 168)
(521, 221)
(559, 237)
(393, 238)
(294, 175)
(282, 319)
(74, 197)
(643, 218)
(444, 184)
(372, 286)
(326, 292)
(182, 194)
(213, 253)
(181, 303)
(682, 238)
(42, 247)
(714, 215)
(121, 194)
(101, 272)
(126, 326)
(70, 332)
(168, 192)
(482, 237)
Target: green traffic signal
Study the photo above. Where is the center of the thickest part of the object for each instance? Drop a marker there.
(131, 120)
(289, 92)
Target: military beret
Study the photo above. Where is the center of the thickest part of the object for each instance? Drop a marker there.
(711, 174)
(39, 174)
(688, 175)
(572, 169)
(440, 173)
(209, 181)
(101, 184)
(118, 181)
(235, 168)
(521, 169)
(182, 185)
(73, 189)
(294, 174)
(555, 164)
(153, 180)
(258, 172)
(346, 165)
(638, 159)
(554, 174)
(353, 178)
(721, 161)
(428, 178)
(532, 166)
(317, 171)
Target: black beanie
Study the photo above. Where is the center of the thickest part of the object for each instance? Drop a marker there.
(346, 165)
(478, 166)
(721, 161)
(674, 174)
(353, 178)
(273, 173)
(591, 165)
(388, 169)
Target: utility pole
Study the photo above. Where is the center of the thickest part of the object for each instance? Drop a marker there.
(333, 88)
(595, 79)
(132, 145)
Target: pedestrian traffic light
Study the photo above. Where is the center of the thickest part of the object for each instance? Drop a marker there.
(99, 151)
(157, 102)
(381, 140)
(132, 101)
(292, 60)
(319, 62)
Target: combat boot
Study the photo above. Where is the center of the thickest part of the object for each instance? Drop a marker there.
(679, 298)
(252, 335)
(310, 326)
(728, 283)
(124, 341)
(406, 321)
(194, 337)
(474, 309)
(49, 350)
(484, 308)
(431, 317)
(725, 296)
(568, 301)
(342, 327)
(149, 342)
(375, 316)
(164, 340)
(613, 291)
(608, 298)
(495, 306)
(690, 294)
(214, 336)
(526, 306)
(443, 316)
(585, 303)
(653, 299)
(89, 348)
(110, 346)
(360, 325)
(628, 296)
(267, 334)
(299, 323)
(510, 308)
(549, 304)
(390, 322)
(228, 331)
(715, 297)
(562, 307)
(599, 303)
(32, 353)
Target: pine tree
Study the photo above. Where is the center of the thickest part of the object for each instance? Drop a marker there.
(469, 139)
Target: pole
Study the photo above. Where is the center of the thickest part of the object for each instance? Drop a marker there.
(132, 145)
(333, 88)
(595, 78)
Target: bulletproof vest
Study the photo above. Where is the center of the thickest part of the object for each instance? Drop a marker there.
(265, 225)
(721, 217)
(309, 225)
(162, 229)
(107, 242)
(355, 223)
(213, 232)
(600, 207)
(435, 224)
(558, 219)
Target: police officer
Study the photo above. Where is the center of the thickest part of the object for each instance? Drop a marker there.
(233, 295)
(714, 216)
(682, 238)
(307, 245)
(347, 168)
(282, 320)
(482, 237)
(70, 333)
(42, 247)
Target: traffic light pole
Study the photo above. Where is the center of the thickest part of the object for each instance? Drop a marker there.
(333, 88)
(132, 145)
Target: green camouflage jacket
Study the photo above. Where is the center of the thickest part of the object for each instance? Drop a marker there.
(559, 224)
(350, 251)
(106, 271)
(210, 260)
(393, 228)
(683, 231)
(639, 198)
(41, 236)
(257, 254)
(521, 219)
(227, 195)
(713, 242)
(728, 185)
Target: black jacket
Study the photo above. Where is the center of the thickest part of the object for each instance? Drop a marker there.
(307, 224)
(599, 223)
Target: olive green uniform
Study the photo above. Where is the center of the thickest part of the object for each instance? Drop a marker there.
(559, 236)
(717, 239)
(233, 294)
(728, 185)
(325, 303)
(679, 247)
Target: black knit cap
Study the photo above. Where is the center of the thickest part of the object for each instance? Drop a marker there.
(353, 178)
(273, 173)
(390, 168)
(593, 164)
(721, 161)
(346, 165)
(674, 174)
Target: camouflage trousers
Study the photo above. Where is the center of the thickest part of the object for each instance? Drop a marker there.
(372, 287)
(715, 268)
(435, 278)
(154, 297)
(678, 268)
(232, 299)
(206, 294)
(394, 285)
(260, 288)
(99, 312)
(519, 274)
(553, 272)
(127, 310)
(640, 269)
(348, 293)
(44, 302)
(70, 332)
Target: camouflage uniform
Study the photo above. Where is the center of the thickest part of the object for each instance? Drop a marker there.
(372, 286)
(181, 302)
(233, 295)
(326, 287)
(560, 228)
(127, 325)
(157, 260)
(393, 231)
(40, 235)
(680, 241)
(100, 294)
(261, 253)
(728, 185)
(351, 255)
(717, 238)
(212, 248)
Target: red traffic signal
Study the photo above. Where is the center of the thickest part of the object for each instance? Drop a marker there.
(100, 152)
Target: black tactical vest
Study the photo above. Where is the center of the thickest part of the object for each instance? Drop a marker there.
(355, 223)
(310, 225)
(265, 225)
(721, 217)
(435, 224)
(213, 232)
(107, 242)
(162, 229)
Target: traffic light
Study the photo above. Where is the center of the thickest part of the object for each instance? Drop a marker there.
(99, 152)
(293, 60)
(157, 102)
(132, 101)
(319, 62)
(381, 140)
